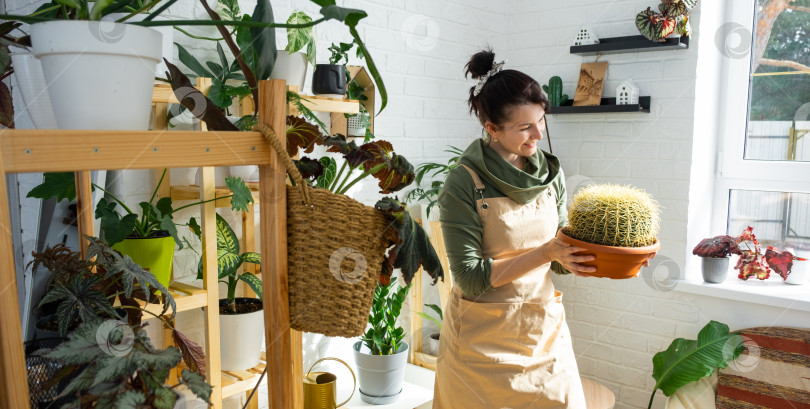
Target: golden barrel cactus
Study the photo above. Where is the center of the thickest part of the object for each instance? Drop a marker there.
(614, 215)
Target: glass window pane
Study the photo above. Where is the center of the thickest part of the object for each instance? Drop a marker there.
(780, 219)
(779, 97)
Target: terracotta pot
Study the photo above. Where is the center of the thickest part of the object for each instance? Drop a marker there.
(612, 262)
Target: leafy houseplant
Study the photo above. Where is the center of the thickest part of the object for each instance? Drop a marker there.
(432, 347)
(127, 232)
(686, 361)
(672, 18)
(714, 253)
(382, 368)
(434, 169)
(241, 319)
(330, 79)
(618, 224)
(133, 370)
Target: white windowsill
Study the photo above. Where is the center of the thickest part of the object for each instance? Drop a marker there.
(772, 292)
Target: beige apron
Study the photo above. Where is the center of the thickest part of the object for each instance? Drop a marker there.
(509, 347)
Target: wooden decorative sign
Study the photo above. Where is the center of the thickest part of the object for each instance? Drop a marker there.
(590, 84)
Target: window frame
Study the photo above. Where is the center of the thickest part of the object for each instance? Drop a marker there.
(733, 171)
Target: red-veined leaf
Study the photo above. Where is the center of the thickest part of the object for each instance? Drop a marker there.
(301, 134)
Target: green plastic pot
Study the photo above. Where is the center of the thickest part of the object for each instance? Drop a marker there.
(154, 254)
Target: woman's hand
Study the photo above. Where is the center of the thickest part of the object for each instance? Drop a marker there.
(563, 253)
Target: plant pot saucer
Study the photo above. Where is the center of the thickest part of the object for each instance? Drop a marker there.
(612, 262)
(379, 400)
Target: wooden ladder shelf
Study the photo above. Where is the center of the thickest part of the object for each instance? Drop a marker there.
(83, 151)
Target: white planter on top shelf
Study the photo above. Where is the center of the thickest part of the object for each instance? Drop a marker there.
(34, 89)
(99, 74)
(290, 67)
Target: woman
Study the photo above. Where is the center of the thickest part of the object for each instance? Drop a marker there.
(504, 341)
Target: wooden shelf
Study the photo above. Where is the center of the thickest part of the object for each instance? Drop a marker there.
(236, 382)
(186, 297)
(193, 193)
(322, 104)
(607, 105)
(630, 44)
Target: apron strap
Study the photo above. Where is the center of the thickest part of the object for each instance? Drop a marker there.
(479, 185)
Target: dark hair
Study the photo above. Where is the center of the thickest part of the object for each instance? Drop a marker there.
(502, 91)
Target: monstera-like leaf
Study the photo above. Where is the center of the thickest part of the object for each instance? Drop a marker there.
(687, 360)
(655, 26)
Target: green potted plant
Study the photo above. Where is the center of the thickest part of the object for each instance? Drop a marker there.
(686, 360)
(149, 238)
(329, 80)
(291, 63)
(381, 353)
(431, 346)
(241, 320)
(433, 169)
(617, 224)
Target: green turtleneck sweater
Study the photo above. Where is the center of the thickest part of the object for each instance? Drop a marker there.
(461, 226)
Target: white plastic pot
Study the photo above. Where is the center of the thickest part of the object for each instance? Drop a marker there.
(240, 338)
(380, 376)
(355, 126)
(34, 89)
(291, 68)
(99, 74)
(183, 176)
(220, 174)
(248, 173)
(799, 273)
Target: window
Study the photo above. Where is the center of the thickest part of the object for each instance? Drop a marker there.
(765, 155)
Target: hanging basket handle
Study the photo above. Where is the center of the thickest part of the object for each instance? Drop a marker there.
(271, 137)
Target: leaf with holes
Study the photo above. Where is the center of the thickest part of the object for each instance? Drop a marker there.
(242, 196)
(61, 185)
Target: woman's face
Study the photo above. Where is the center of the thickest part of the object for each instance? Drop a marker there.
(518, 136)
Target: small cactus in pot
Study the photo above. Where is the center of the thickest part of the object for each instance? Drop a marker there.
(554, 90)
(619, 224)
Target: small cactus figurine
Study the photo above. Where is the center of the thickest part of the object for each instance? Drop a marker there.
(614, 215)
(554, 91)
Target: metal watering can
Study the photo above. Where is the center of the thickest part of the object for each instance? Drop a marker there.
(320, 388)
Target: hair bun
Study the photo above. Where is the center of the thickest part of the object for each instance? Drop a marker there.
(479, 64)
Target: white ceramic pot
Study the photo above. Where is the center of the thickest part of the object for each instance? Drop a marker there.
(240, 338)
(799, 273)
(355, 127)
(99, 74)
(167, 45)
(34, 89)
(291, 68)
(248, 173)
(430, 345)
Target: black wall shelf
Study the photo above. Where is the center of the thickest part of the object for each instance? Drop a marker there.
(629, 44)
(606, 105)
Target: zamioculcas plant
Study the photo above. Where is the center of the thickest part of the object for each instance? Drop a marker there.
(383, 337)
(687, 360)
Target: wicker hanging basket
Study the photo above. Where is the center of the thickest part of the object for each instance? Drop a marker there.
(335, 251)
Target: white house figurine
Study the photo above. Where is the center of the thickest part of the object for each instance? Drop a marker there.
(585, 37)
(627, 93)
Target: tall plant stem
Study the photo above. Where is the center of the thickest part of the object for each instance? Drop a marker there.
(157, 188)
(361, 177)
(649, 406)
(343, 182)
(337, 177)
(114, 198)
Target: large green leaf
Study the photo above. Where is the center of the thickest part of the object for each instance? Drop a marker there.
(329, 172)
(253, 281)
(227, 240)
(227, 263)
(242, 196)
(686, 361)
(189, 61)
(264, 40)
(61, 185)
(297, 38)
(114, 227)
(196, 383)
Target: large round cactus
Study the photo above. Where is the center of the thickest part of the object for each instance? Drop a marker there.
(614, 215)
